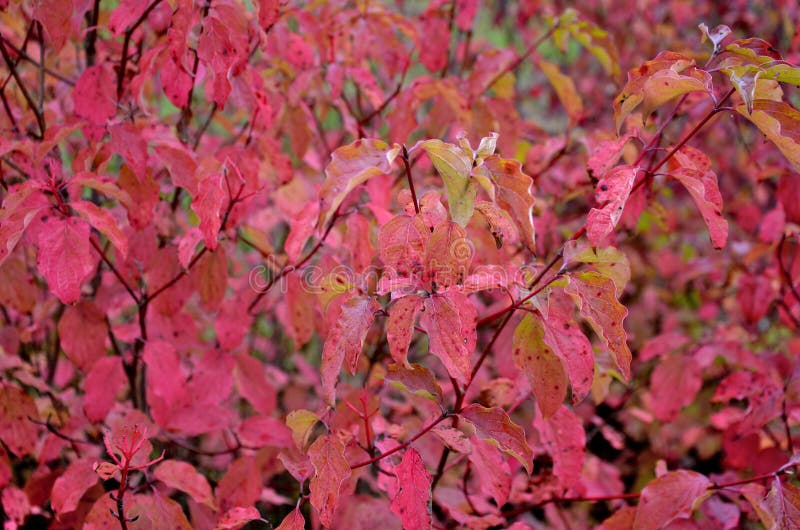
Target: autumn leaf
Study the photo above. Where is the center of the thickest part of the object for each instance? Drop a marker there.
(565, 90)
(780, 123)
(540, 364)
(400, 327)
(670, 497)
(596, 298)
(493, 424)
(350, 166)
(612, 193)
(330, 471)
(449, 319)
(454, 166)
(512, 189)
(413, 500)
(184, 477)
(293, 521)
(351, 321)
(65, 257)
(783, 504)
(70, 487)
(415, 379)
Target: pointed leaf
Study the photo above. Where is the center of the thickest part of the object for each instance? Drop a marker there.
(612, 193)
(596, 298)
(513, 191)
(330, 471)
(416, 379)
(413, 500)
(350, 166)
(454, 166)
(493, 424)
(565, 440)
(352, 320)
(565, 90)
(293, 521)
(780, 123)
(783, 503)
(400, 327)
(540, 364)
(184, 477)
(104, 223)
(673, 496)
(493, 473)
(70, 487)
(65, 257)
(450, 321)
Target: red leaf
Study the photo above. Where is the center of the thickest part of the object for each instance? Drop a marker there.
(69, 488)
(493, 473)
(448, 255)
(253, 385)
(540, 364)
(16, 430)
(264, 431)
(102, 383)
(400, 327)
(65, 257)
(268, 11)
(293, 521)
(450, 321)
(674, 383)
(613, 191)
(126, 13)
(413, 499)
(596, 298)
(207, 204)
(55, 16)
(157, 511)
(416, 379)
(513, 191)
(351, 322)
(129, 143)
(300, 310)
(673, 496)
(565, 440)
(702, 185)
(350, 166)
(211, 274)
(83, 331)
(184, 477)
(494, 424)
(434, 51)
(104, 223)
(401, 243)
(783, 503)
(330, 471)
(94, 95)
(20, 207)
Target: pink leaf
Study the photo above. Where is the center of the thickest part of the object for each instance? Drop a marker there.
(102, 383)
(70, 487)
(783, 503)
(83, 331)
(673, 496)
(400, 327)
(613, 191)
(494, 424)
(125, 14)
(596, 298)
(674, 383)
(565, 440)
(540, 364)
(268, 11)
(412, 502)
(207, 204)
(450, 321)
(350, 166)
(104, 223)
(704, 189)
(253, 385)
(330, 471)
(184, 477)
(351, 322)
(416, 379)
(293, 521)
(55, 16)
(65, 257)
(493, 473)
(94, 95)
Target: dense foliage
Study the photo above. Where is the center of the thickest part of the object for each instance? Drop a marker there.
(382, 264)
